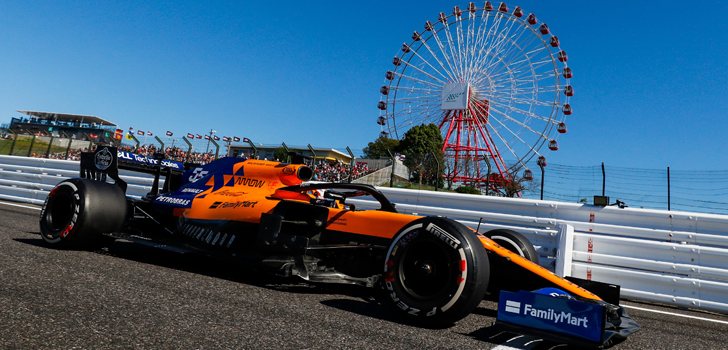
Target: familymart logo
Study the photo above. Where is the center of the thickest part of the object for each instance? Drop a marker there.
(557, 317)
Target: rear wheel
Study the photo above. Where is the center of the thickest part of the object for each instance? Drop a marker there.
(79, 211)
(436, 271)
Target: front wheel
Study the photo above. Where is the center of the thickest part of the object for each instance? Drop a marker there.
(436, 271)
(79, 211)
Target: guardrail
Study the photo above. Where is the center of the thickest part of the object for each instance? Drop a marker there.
(676, 258)
(28, 180)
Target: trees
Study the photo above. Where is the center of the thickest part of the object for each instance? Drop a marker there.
(378, 148)
(280, 154)
(422, 148)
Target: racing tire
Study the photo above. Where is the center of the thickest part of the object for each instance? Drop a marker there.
(77, 212)
(515, 242)
(506, 275)
(435, 272)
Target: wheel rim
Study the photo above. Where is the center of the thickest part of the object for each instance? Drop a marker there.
(60, 210)
(426, 270)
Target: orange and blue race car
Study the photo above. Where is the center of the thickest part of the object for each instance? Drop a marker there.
(429, 270)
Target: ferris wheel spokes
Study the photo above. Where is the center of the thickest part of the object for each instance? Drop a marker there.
(513, 72)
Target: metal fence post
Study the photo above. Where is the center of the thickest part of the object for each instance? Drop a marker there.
(668, 188)
(437, 178)
(288, 156)
(161, 144)
(32, 143)
(68, 148)
(351, 165)
(217, 147)
(136, 141)
(48, 150)
(391, 175)
(252, 145)
(313, 153)
(541, 164)
(189, 149)
(12, 145)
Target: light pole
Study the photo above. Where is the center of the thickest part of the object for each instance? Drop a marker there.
(209, 137)
(541, 164)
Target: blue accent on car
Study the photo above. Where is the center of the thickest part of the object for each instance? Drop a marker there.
(195, 182)
(565, 316)
(554, 292)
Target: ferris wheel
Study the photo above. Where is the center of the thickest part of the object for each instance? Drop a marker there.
(495, 81)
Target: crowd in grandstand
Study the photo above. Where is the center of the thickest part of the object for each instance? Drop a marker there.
(324, 170)
(339, 172)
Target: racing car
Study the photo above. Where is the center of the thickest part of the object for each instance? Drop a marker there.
(430, 270)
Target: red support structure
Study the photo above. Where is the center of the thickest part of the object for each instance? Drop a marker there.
(468, 146)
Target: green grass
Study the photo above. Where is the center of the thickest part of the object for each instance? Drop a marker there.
(22, 146)
(416, 186)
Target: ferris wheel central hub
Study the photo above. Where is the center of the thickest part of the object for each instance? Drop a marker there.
(455, 96)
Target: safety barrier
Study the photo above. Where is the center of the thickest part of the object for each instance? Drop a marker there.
(28, 180)
(676, 258)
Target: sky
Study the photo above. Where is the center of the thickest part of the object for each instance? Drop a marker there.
(650, 77)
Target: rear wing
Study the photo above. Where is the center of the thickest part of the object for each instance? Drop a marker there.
(106, 161)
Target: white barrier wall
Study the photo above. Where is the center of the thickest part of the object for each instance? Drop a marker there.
(28, 180)
(676, 258)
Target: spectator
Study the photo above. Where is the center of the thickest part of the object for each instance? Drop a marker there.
(339, 172)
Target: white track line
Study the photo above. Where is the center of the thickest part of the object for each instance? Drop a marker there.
(674, 314)
(20, 205)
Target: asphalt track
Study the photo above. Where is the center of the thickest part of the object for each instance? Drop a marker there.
(131, 296)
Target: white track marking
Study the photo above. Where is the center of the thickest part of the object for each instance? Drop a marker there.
(674, 314)
(20, 206)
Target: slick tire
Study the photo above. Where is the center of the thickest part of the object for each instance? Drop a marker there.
(78, 212)
(507, 275)
(514, 242)
(435, 272)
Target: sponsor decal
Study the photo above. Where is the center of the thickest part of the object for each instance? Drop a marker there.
(455, 96)
(103, 159)
(198, 174)
(288, 171)
(340, 221)
(232, 205)
(267, 164)
(513, 307)
(76, 208)
(172, 200)
(149, 161)
(230, 193)
(443, 235)
(191, 190)
(244, 181)
(553, 314)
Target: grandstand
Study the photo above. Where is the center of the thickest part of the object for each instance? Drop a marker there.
(74, 126)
